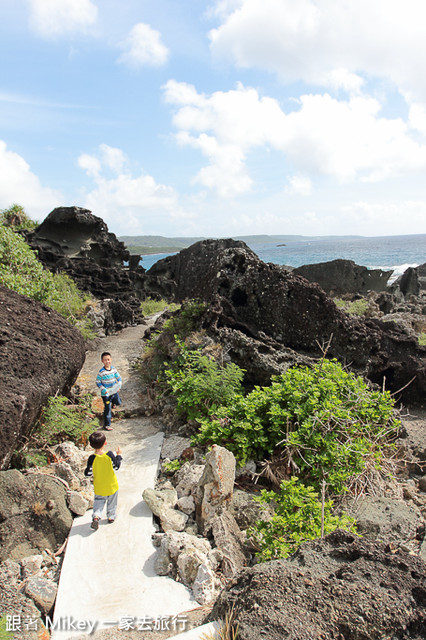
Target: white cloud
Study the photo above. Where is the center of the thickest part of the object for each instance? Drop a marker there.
(125, 201)
(52, 18)
(304, 39)
(345, 139)
(19, 184)
(299, 185)
(143, 46)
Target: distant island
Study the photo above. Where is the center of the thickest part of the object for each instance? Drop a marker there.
(147, 245)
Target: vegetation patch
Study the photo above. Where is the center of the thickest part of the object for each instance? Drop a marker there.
(150, 306)
(299, 515)
(21, 271)
(59, 421)
(353, 308)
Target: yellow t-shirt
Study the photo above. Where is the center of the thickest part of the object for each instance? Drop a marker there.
(105, 481)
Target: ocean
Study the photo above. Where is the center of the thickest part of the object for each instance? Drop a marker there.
(391, 253)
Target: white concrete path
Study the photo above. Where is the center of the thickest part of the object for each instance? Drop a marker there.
(108, 575)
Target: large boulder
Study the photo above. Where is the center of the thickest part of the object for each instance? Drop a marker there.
(33, 514)
(267, 303)
(338, 277)
(41, 355)
(339, 587)
(78, 243)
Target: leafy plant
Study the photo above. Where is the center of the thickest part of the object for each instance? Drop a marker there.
(328, 422)
(171, 466)
(16, 217)
(299, 516)
(201, 384)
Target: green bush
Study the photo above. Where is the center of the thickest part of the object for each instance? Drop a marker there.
(201, 384)
(21, 271)
(16, 217)
(422, 339)
(297, 518)
(327, 421)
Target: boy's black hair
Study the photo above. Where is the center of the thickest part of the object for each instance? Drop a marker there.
(105, 353)
(97, 439)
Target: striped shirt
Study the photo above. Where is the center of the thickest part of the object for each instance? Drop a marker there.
(106, 381)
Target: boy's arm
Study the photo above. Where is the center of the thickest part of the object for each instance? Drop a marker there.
(89, 468)
(100, 385)
(118, 377)
(116, 460)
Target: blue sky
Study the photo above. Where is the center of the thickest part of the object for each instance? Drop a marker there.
(220, 118)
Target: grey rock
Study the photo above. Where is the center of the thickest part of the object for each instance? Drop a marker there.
(64, 470)
(42, 592)
(386, 519)
(173, 446)
(31, 565)
(186, 504)
(187, 479)
(77, 503)
(216, 485)
(160, 500)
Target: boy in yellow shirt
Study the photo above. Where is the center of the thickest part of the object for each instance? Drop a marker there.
(102, 466)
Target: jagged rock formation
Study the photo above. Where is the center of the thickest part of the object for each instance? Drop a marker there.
(284, 313)
(41, 354)
(339, 587)
(73, 240)
(412, 281)
(338, 277)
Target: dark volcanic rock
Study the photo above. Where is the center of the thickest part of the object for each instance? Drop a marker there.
(338, 277)
(41, 354)
(264, 302)
(33, 514)
(412, 281)
(340, 587)
(73, 240)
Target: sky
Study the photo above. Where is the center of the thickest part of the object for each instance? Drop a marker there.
(217, 117)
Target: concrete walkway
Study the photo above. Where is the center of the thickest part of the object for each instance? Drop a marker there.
(108, 578)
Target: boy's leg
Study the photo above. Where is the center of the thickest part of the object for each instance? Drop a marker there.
(115, 400)
(107, 411)
(112, 506)
(98, 506)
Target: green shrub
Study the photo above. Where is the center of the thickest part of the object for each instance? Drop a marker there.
(150, 306)
(327, 421)
(21, 271)
(16, 217)
(297, 518)
(172, 465)
(422, 339)
(201, 384)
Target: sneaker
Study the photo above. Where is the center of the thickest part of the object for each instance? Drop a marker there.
(111, 519)
(95, 523)
(108, 428)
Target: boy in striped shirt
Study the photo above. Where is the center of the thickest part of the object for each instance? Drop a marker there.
(108, 381)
